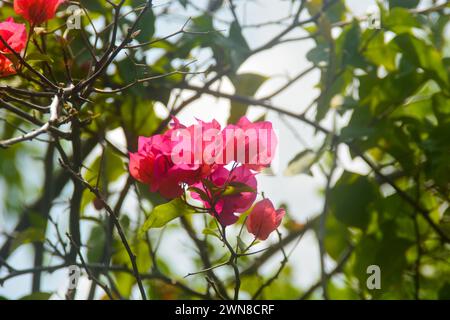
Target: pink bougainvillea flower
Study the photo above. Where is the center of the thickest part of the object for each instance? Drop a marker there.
(191, 155)
(264, 219)
(6, 67)
(251, 143)
(196, 144)
(15, 35)
(152, 165)
(156, 162)
(37, 11)
(227, 205)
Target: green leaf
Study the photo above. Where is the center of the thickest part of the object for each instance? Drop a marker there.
(337, 292)
(319, 54)
(139, 116)
(241, 244)
(335, 84)
(403, 3)
(243, 216)
(234, 188)
(146, 27)
(337, 237)
(93, 5)
(422, 55)
(109, 164)
(336, 11)
(441, 109)
(96, 244)
(163, 214)
(379, 94)
(261, 118)
(125, 280)
(246, 84)
(29, 235)
(37, 296)
(347, 46)
(381, 53)
(211, 232)
(37, 56)
(183, 3)
(399, 20)
(108, 168)
(238, 47)
(444, 292)
(154, 197)
(419, 109)
(352, 199)
(388, 252)
(282, 289)
(301, 163)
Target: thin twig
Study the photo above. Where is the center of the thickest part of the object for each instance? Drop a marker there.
(116, 222)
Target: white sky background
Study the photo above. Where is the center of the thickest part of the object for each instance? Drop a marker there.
(300, 193)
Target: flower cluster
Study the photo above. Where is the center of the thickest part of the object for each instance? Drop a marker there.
(14, 35)
(218, 167)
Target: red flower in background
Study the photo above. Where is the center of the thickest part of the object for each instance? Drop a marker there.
(37, 11)
(15, 35)
(264, 219)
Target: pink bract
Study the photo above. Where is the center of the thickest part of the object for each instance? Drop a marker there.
(227, 206)
(256, 139)
(153, 163)
(37, 11)
(264, 219)
(15, 35)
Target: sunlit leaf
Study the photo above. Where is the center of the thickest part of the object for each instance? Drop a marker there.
(301, 163)
(163, 214)
(246, 84)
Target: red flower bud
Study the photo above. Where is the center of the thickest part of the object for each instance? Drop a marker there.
(264, 219)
